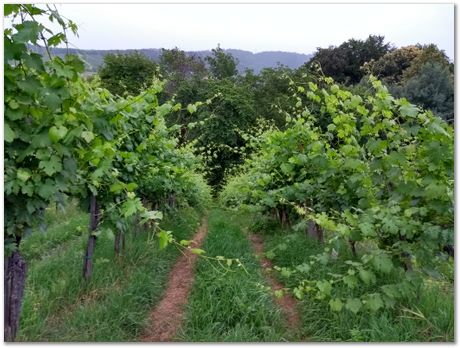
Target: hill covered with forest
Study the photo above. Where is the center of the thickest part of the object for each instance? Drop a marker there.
(246, 59)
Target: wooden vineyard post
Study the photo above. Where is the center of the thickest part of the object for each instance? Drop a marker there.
(118, 241)
(14, 281)
(314, 231)
(93, 223)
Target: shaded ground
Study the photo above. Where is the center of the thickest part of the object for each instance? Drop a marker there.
(167, 316)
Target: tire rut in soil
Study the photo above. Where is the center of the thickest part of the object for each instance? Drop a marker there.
(166, 318)
(287, 303)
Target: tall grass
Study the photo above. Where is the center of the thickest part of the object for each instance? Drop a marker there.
(230, 306)
(114, 305)
(428, 318)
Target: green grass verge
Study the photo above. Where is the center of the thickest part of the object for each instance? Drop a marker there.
(230, 307)
(62, 227)
(59, 306)
(433, 322)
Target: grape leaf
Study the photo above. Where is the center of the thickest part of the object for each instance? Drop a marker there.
(351, 281)
(57, 133)
(52, 166)
(191, 108)
(353, 305)
(8, 133)
(46, 190)
(131, 206)
(382, 263)
(336, 304)
(367, 276)
(324, 287)
(304, 268)
(164, 238)
(374, 302)
(87, 136)
(23, 174)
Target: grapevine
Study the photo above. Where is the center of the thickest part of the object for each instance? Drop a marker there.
(373, 174)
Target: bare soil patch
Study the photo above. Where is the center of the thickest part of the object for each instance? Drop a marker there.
(167, 316)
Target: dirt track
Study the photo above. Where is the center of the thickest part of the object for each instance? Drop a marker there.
(167, 316)
(287, 303)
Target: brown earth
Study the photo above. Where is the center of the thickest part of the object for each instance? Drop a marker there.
(167, 316)
(287, 303)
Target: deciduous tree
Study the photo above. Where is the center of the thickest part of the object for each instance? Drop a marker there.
(221, 64)
(127, 74)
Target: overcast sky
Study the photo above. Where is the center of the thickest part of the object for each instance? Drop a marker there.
(258, 27)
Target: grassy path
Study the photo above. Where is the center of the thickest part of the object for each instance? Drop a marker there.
(231, 305)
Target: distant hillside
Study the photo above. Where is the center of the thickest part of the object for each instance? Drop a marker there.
(247, 60)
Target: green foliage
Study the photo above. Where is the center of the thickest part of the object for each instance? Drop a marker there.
(178, 69)
(222, 65)
(375, 171)
(66, 136)
(69, 137)
(391, 66)
(127, 74)
(54, 233)
(428, 317)
(176, 62)
(225, 129)
(427, 54)
(272, 88)
(40, 109)
(422, 74)
(370, 171)
(343, 63)
(219, 129)
(432, 88)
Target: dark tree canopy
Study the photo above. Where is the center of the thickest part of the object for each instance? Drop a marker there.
(343, 63)
(127, 74)
(177, 68)
(221, 64)
(271, 88)
(177, 62)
